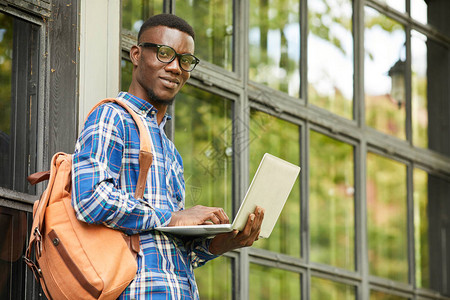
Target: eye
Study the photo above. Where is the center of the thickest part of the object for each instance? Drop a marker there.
(187, 60)
(165, 53)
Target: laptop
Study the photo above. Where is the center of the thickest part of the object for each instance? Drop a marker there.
(269, 189)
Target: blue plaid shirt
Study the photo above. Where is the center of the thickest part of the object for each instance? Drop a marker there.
(105, 172)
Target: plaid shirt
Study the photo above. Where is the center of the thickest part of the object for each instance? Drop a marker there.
(105, 171)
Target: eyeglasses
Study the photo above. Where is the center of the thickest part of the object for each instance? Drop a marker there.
(167, 54)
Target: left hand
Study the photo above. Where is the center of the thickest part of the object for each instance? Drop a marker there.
(225, 242)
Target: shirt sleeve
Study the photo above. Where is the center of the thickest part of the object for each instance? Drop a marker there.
(198, 251)
(96, 166)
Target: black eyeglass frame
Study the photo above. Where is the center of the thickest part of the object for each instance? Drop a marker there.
(179, 56)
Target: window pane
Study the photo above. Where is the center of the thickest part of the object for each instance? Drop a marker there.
(386, 213)
(19, 85)
(270, 283)
(212, 21)
(331, 203)
(330, 290)
(419, 89)
(376, 295)
(330, 56)
(421, 228)
(126, 72)
(274, 37)
(136, 12)
(419, 10)
(282, 139)
(396, 4)
(384, 74)
(6, 51)
(13, 237)
(210, 285)
(203, 136)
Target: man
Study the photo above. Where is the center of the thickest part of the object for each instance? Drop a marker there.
(106, 167)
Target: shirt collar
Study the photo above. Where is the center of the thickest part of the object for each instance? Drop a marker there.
(140, 106)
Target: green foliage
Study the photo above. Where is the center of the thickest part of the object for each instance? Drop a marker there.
(212, 21)
(270, 283)
(135, 12)
(271, 62)
(386, 223)
(214, 280)
(327, 289)
(421, 245)
(331, 202)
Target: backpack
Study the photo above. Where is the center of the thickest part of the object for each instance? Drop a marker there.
(70, 258)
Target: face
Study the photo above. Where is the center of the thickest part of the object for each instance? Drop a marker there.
(153, 80)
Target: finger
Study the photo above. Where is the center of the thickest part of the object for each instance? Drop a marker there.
(222, 216)
(213, 218)
(248, 227)
(225, 218)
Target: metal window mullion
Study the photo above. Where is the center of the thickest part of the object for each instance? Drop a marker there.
(304, 50)
(410, 223)
(362, 258)
(358, 63)
(305, 228)
(241, 131)
(408, 86)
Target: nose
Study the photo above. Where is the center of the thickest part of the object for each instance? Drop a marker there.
(174, 66)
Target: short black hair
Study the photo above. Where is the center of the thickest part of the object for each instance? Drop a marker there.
(167, 20)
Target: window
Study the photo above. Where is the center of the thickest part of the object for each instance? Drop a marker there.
(355, 92)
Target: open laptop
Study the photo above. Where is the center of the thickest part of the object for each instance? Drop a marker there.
(269, 189)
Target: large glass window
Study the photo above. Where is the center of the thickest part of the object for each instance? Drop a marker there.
(271, 283)
(422, 254)
(331, 202)
(419, 89)
(330, 290)
(384, 75)
(212, 21)
(282, 139)
(386, 218)
(330, 56)
(274, 44)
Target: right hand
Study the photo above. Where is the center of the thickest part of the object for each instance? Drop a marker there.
(199, 215)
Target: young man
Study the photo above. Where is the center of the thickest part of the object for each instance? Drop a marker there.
(106, 167)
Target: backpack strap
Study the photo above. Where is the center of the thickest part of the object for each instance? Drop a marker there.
(145, 152)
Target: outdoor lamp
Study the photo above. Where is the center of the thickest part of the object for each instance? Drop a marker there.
(397, 74)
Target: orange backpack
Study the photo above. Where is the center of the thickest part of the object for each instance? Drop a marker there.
(70, 258)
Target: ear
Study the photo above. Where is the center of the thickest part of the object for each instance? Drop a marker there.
(135, 55)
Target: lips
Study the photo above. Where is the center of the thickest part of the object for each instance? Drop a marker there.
(170, 82)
